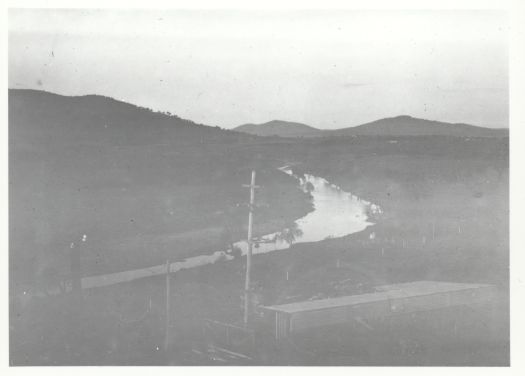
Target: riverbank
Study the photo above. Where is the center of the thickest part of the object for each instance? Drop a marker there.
(336, 213)
(445, 215)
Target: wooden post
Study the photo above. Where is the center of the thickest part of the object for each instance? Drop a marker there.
(76, 284)
(167, 328)
(76, 275)
(247, 283)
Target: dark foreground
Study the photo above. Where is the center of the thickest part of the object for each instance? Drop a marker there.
(445, 203)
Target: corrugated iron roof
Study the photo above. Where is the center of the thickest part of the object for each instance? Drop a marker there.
(386, 292)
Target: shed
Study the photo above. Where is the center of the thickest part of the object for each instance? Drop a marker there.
(387, 300)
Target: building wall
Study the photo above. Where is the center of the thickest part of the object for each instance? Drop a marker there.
(298, 321)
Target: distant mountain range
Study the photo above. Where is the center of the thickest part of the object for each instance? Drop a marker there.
(47, 119)
(280, 128)
(396, 126)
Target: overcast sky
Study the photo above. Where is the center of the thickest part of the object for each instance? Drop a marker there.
(329, 69)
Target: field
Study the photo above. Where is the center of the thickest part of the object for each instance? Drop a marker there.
(445, 217)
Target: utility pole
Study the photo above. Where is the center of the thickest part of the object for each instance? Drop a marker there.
(76, 275)
(247, 284)
(167, 329)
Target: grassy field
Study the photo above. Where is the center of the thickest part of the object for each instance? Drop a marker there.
(445, 203)
(445, 217)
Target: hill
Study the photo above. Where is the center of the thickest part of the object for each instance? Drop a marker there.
(410, 126)
(280, 128)
(396, 126)
(46, 119)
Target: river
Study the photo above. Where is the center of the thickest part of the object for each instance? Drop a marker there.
(336, 214)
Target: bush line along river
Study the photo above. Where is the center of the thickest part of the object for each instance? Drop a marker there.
(336, 214)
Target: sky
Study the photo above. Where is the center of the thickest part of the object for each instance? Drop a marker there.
(329, 69)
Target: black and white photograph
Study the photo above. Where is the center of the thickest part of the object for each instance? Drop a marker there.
(258, 187)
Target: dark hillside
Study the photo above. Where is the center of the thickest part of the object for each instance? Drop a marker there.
(44, 119)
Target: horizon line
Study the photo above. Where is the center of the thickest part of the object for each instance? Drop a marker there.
(504, 127)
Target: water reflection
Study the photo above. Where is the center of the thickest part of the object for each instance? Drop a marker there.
(336, 213)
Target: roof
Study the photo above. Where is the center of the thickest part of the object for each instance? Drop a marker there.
(386, 292)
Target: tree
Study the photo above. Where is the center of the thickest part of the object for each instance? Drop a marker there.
(309, 187)
(289, 234)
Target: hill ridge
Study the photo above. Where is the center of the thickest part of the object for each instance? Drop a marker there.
(279, 128)
(400, 125)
